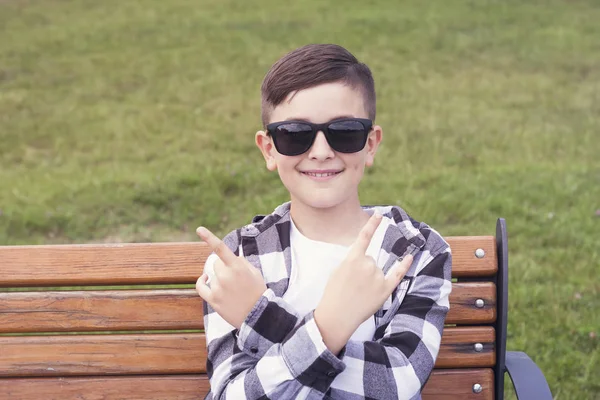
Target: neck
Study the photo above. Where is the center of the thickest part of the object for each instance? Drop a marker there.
(338, 225)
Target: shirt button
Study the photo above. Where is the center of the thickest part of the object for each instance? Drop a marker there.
(254, 350)
(331, 374)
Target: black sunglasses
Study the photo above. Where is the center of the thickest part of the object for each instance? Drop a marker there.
(347, 135)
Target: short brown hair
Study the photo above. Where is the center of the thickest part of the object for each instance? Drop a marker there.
(313, 65)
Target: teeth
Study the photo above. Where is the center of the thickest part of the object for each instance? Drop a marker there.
(321, 175)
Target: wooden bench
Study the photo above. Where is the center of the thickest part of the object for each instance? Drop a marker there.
(147, 343)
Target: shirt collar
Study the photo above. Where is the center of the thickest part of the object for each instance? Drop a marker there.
(402, 238)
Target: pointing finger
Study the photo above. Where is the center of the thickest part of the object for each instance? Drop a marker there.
(366, 234)
(217, 245)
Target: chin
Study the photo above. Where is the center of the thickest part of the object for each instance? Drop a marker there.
(319, 202)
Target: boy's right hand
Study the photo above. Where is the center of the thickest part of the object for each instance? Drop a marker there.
(356, 289)
(236, 285)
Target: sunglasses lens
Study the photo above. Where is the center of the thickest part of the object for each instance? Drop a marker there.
(293, 139)
(347, 136)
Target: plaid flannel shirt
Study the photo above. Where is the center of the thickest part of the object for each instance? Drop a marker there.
(277, 353)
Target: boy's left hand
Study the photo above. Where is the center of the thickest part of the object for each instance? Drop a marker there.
(236, 285)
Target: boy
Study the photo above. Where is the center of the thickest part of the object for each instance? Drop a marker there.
(323, 298)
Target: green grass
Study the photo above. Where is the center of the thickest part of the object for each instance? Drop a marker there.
(134, 121)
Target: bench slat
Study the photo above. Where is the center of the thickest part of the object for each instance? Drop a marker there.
(464, 261)
(462, 303)
(443, 384)
(458, 384)
(172, 353)
(102, 354)
(164, 263)
(458, 347)
(113, 310)
(102, 264)
(159, 387)
(121, 310)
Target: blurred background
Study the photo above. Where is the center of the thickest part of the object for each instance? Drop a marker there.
(134, 121)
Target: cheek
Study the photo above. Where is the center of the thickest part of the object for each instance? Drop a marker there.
(286, 167)
(356, 162)
(288, 179)
(355, 168)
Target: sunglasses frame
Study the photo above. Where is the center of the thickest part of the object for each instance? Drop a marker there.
(366, 123)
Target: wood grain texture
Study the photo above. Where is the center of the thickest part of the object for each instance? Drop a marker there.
(458, 347)
(69, 355)
(159, 387)
(102, 354)
(165, 263)
(120, 310)
(443, 384)
(462, 303)
(464, 261)
(113, 310)
(458, 384)
(102, 264)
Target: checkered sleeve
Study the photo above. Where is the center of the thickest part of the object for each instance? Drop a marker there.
(240, 368)
(275, 354)
(398, 362)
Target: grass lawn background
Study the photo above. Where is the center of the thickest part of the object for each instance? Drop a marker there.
(134, 121)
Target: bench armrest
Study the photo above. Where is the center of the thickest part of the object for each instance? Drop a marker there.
(527, 378)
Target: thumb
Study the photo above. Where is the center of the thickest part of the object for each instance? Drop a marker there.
(396, 273)
(203, 289)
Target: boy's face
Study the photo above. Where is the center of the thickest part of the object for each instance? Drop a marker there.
(321, 104)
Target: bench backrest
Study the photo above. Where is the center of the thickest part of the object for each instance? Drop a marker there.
(147, 342)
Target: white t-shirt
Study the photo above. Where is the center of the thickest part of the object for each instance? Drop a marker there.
(312, 264)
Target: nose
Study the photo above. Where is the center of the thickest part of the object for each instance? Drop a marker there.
(320, 150)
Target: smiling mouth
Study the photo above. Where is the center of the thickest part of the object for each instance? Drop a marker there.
(322, 174)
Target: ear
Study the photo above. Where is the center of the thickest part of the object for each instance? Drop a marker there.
(373, 141)
(265, 143)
